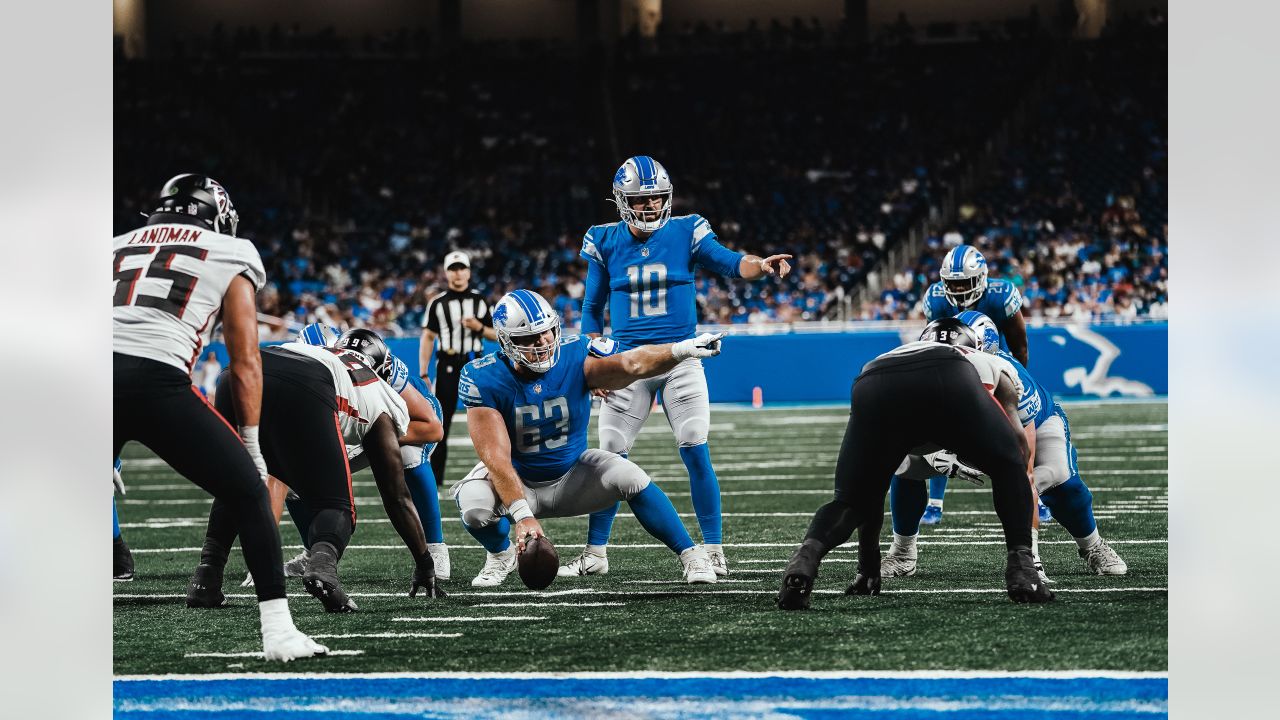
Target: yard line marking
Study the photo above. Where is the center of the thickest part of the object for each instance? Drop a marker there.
(258, 654)
(674, 675)
(495, 618)
(680, 582)
(544, 604)
(345, 636)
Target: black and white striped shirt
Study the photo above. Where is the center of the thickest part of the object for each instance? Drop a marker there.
(444, 318)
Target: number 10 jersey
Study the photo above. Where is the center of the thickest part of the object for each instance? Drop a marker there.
(169, 283)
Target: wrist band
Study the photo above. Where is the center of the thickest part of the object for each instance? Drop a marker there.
(519, 510)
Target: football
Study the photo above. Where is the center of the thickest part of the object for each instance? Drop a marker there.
(538, 563)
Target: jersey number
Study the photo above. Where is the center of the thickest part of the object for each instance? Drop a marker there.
(648, 289)
(529, 434)
(183, 283)
(359, 373)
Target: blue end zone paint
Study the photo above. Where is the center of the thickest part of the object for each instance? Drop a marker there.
(897, 698)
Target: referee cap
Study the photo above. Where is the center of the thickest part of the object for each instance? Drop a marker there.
(457, 257)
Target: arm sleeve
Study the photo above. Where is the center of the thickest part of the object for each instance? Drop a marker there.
(1013, 302)
(710, 254)
(472, 393)
(594, 298)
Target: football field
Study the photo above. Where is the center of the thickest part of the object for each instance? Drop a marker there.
(1099, 651)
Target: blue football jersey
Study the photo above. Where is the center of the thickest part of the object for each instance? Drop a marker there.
(1036, 404)
(402, 378)
(1000, 302)
(546, 417)
(652, 298)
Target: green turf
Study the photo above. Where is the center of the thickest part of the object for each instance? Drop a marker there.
(783, 460)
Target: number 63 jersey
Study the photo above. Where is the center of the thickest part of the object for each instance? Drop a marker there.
(169, 283)
(546, 417)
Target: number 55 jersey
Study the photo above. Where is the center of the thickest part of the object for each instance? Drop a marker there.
(169, 283)
(546, 417)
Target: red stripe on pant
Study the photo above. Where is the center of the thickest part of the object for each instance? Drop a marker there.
(346, 466)
(214, 410)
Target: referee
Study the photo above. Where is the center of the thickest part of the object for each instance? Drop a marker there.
(459, 318)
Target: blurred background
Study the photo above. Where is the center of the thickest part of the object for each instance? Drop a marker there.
(362, 141)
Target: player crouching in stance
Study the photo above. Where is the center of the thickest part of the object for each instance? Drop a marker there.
(528, 407)
(919, 398)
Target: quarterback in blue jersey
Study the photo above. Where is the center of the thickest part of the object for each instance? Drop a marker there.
(528, 406)
(643, 269)
(425, 430)
(1057, 476)
(964, 287)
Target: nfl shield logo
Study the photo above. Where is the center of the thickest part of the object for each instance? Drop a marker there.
(537, 387)
(644, 252)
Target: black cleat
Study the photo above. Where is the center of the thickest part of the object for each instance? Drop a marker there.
(121, 561)
(321, 580)
(205, 589)
(797, 580)
(1022, 581)
(864, 585)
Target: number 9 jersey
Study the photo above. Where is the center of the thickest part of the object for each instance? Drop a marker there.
(169, 282)
(546, 416)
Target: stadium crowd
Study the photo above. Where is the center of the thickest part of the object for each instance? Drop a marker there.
(360, 168)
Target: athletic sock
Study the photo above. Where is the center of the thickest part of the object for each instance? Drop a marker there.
(1072, 506)
(903, 544)
(937, 489)
(426, 499)
(334, 527)
(653, 509)
(600, 525)
(596, 549)
(301, 516)
(704, 487)
(1089, 540)
(495, 538)
(907, 500)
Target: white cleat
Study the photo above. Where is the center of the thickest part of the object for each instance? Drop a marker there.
(697, 567)
(896, 563)
(588, 563)
(497, 566)
(297, 567)
(439, 553)
(290, 644)
(1040, 571)
(719, 565)
(1102, 560)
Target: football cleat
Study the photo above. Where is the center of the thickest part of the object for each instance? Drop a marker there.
(440, 556)
(1102, 560)
(1022, 581)
(289, 644)
(321, 580)
(718, 562)
(1046, 515)
(864, 585)
(297, 567)
(797, 579)
(696, 566)
(205, 588)
(497, 566)
(898, 564)
(1040, 570)
(588, 563)
(932, 515)
(121, 561)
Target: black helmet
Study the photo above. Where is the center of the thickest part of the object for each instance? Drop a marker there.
(951, 331)
(367, 343)
(201, 198)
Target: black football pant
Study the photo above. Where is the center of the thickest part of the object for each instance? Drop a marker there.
(303, 446)
(448, 370)
(157, 405)
(893, 410)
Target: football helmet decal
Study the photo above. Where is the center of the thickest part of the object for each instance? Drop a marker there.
(988, 334)
(640, 179)
(951, 331)
(964, 275)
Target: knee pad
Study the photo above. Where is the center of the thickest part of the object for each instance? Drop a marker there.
(1050, 475)
(614, 440)
(629, 482)
(479, 517)
(692, 432)
(412, 455)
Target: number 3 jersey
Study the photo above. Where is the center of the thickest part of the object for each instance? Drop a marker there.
(362, 395)
(169, 283)
(650, 284)
(546, 416)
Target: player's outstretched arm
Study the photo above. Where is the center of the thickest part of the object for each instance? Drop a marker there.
(424, 426)
(618, 371)
(754, 267)
(240, 330)
(493, 446)
(1015, 334)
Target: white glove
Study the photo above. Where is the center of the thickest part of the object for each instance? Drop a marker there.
(116, 480)
(946, 462)
(704, 346)
(249, 434)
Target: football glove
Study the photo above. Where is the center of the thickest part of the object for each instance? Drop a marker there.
(946, 463)
(424, 577)
(704, 346)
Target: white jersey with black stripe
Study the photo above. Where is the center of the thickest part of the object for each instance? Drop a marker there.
(169, 283)
(362, 395)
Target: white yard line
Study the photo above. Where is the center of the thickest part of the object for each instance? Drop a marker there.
(346, 636)
(258, 654)
(495, 618)
(534, 604)
(679, 675)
